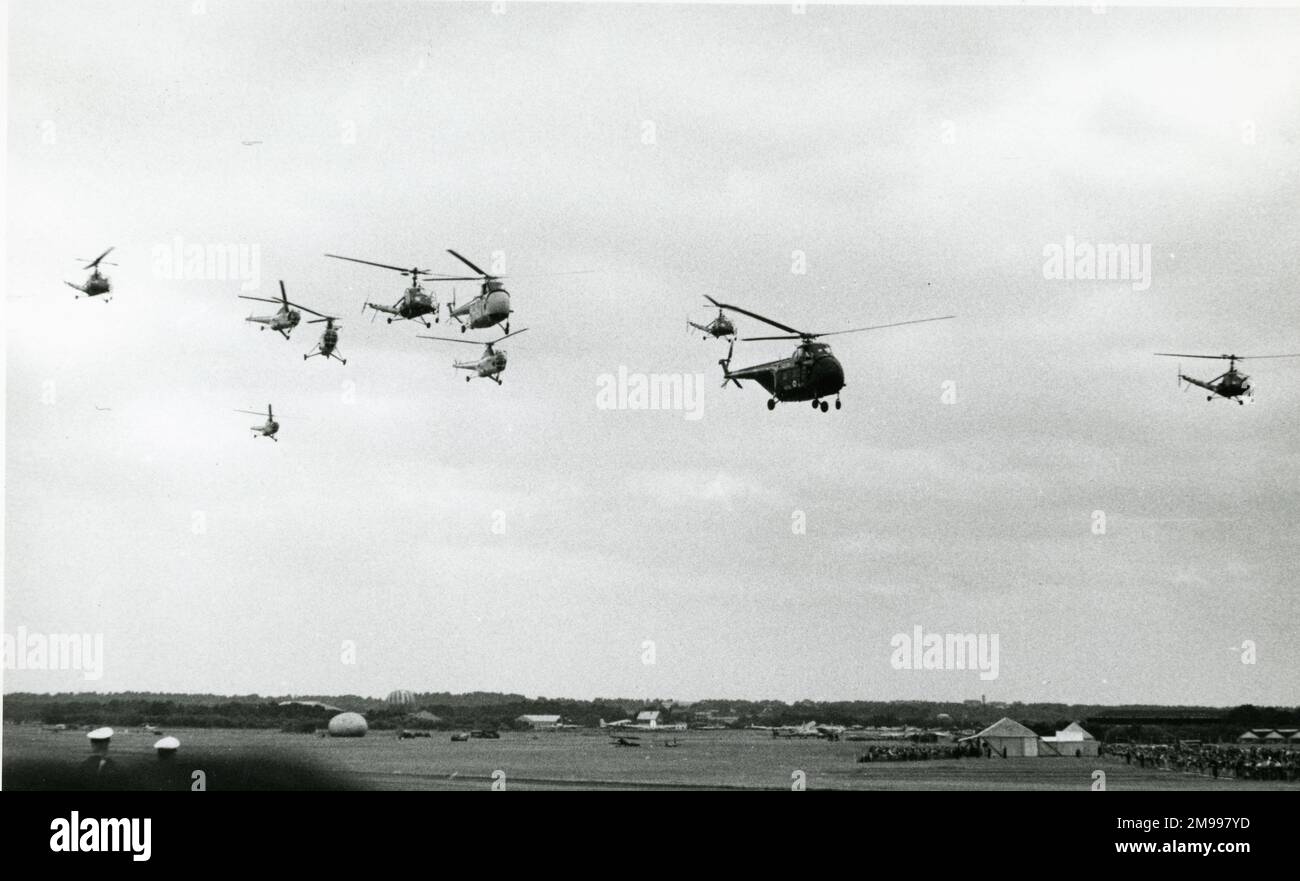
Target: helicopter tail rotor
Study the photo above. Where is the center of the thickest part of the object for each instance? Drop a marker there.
(726, 366)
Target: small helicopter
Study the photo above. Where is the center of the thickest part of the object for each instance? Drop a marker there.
(415, 303)
(266, 429)
(285, 319)
(718, 327)
(328, 342)
(810, 374)
(1233, 385)
(490, 364)
(97, 284)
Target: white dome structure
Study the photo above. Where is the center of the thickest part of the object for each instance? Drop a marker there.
(348, 725)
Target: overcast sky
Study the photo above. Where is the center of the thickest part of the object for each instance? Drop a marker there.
(921, 159)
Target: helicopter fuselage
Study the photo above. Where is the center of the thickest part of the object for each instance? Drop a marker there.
(267, 429)
(284, 320)
(94, 286)
(413, 306)
(1231, 385)
(97, 284)
(717, 328)
(491, 306)
(328, 340)
(415, 302)
(491, 364)
(810, 374)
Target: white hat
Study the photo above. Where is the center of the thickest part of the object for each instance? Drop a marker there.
(167, 744)
(100, 734)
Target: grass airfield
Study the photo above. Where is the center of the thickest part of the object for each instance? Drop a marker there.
(257, 759)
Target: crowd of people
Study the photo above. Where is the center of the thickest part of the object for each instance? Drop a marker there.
(1211, 760)
(913, 752)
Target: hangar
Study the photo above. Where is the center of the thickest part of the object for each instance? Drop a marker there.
(1008, 738)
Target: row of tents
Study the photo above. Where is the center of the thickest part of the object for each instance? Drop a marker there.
(1271, 737)
(1009, 738)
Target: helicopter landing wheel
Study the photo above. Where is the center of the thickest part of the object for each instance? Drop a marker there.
(389, 320)
(837, 403)
(825, 406)
(467, 379)
(771, 403)
(1209, 397)
(815, 403)
(462, 328)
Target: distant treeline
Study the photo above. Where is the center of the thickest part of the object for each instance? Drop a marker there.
(483, 710)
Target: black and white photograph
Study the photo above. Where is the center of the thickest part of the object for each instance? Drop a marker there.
(509, 396)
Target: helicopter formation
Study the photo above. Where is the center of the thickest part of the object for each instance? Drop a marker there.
(811, 373)
(490, 307)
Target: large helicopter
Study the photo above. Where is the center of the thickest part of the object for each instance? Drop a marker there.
(286, 317)
(327, 344)
(490, 364)
(718, 327)
(266, 429)
(98, 283)
(810, 374)
(1233, 385)
(415, 303)
(492, 305)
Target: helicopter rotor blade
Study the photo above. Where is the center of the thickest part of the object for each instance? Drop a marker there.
(549, 274)
(305, 309)
(1263, 357)
(437, 277)
(788, 336)
(466, 261)
(775, 324)
(508, 336)
(258, 299)
(880, 326)
(1185, 355)
(402, 269)
(448, 339)
(93, 263)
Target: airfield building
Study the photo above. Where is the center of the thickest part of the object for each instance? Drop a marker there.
(1009, 738)
(540, 723)
(1070, 741)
